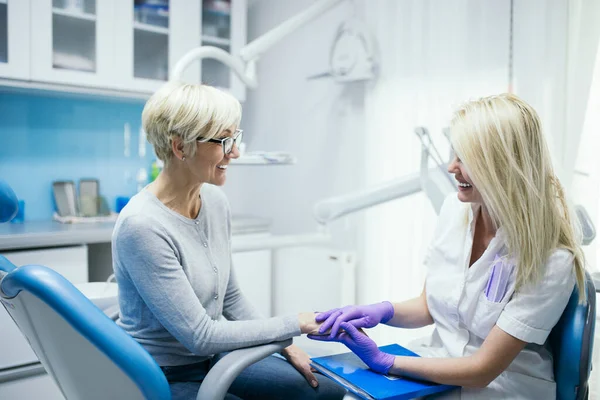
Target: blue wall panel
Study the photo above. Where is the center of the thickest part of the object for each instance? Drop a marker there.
(45, 138)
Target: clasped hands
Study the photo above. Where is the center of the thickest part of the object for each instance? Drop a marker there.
(345, 326)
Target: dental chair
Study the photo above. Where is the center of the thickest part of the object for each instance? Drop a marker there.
(82, 349)
(572, 343)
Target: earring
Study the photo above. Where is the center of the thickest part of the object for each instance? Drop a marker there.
(183, 158)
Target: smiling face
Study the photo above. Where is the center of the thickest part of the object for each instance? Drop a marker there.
(209, 164)
(467, 192)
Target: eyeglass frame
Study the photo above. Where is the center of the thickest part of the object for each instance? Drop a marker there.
(238, 134)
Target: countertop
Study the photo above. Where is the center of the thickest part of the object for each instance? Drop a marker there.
(51, 233)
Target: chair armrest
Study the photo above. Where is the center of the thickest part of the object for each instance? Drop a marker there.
(222, 375)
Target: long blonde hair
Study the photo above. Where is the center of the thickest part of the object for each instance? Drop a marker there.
(499, 139)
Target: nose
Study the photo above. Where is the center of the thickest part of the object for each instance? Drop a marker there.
(234, 153)
(453, 166)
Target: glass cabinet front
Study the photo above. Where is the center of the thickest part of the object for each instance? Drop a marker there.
(216, 31)
(74, 35)
(151, 39)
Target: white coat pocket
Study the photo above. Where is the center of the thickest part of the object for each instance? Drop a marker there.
(499, 279)
(485, 317)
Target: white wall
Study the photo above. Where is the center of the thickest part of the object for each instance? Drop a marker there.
(540, 67)
(319, 121)
(323, 123)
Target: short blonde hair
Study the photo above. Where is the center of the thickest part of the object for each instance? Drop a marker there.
(500, 141)
(188, 111)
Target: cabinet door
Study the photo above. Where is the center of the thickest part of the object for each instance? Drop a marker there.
(253, 272)
(150, 38)
(71, 42)
(223, 26)
(71, 262)
(14, 39)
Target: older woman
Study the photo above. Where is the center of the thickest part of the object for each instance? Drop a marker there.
(501, 268)
(172, 257)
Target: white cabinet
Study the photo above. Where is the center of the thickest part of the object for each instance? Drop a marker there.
(124, 46)
(71, 42)
(71, 261)
(14, 32)
(253, 272)
(150, 38)
(313, 279)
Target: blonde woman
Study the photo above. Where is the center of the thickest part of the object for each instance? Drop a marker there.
(178, 294)
(501, 268)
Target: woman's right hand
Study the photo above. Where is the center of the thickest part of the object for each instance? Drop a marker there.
(307, 322)
(366, 316)
(362, 345)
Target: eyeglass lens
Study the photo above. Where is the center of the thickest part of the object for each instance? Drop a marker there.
(228, 143)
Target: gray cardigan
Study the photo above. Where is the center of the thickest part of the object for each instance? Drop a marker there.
(176, 282)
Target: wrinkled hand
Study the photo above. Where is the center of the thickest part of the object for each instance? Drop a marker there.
(363, 346)
(366, 316)
(301, 361)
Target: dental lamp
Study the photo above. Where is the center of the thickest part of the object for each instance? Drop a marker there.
(244, 66)
(435, 182)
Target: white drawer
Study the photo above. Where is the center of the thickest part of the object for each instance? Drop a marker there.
(71, 262)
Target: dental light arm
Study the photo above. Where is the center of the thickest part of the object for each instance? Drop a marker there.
(245, 66)
(246, 73)
(333, 208)
(435, 182)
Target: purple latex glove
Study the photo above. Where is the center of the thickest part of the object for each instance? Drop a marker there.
(360, 316)
(363, 346)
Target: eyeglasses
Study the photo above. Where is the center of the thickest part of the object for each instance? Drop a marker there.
(226, 142)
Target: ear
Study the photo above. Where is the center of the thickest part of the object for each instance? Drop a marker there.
(177, 147)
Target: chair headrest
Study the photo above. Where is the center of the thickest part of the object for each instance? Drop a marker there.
(9, 205)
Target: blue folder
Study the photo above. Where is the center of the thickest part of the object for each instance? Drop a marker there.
(350, 372)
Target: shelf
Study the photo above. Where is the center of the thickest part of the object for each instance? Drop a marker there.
(70, 91)
(264, 158)
(73, 14)
(150, 28)
(215, 40)
(216, 13)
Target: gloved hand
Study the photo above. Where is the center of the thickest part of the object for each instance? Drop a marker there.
(366, 316)
(363, 346)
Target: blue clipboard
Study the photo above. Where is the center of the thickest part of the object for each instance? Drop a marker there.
(349, 371)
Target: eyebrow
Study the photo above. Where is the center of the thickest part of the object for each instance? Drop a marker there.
(226, 133)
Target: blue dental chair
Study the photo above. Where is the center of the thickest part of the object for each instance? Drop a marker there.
(82, 349)
(572, 342)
